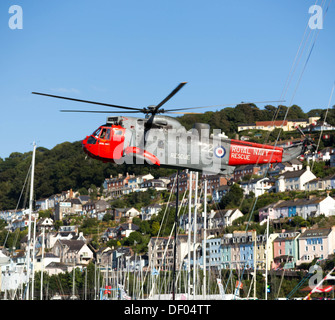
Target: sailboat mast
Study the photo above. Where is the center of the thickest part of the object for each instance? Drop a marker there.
(175, 241)
(29, 221)
(205, 236)
(195, 232)
(42, 267)
(189, 236)
(267, 258)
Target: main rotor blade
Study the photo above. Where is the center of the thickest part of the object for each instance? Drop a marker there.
(173, 92)
(98, 111)
(224, 105)
(87, 101)
(176, 112)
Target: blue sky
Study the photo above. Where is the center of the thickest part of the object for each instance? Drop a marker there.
(134, 53)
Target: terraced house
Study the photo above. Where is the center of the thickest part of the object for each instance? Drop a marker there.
(285, 250)
(316, 243)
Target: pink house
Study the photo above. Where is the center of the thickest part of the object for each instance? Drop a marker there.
(285, 250)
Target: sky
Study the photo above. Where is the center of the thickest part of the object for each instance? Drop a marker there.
(134, 53)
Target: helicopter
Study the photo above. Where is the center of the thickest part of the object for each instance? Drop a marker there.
(162, 141)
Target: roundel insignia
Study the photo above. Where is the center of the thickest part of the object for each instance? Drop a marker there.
(220, 151)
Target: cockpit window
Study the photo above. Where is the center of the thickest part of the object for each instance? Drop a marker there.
(96, 132)
(105, 134)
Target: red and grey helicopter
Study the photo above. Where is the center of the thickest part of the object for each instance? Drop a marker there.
(162, 141)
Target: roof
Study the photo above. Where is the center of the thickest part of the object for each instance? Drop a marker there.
(271, 123)
(299, 202)
(293, 174)
(129, 226)
(312, 233)
(73, 245)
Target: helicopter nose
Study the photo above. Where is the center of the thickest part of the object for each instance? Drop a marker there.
(84, 143)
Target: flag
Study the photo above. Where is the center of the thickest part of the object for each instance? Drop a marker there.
(108, 291)
(239, 284)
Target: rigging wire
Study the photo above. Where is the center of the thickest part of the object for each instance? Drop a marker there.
(324, 121)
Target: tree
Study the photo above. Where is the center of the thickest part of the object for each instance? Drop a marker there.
(155, 228)
(233, 198)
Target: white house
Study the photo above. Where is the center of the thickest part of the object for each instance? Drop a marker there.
(44, 260)
(135, 181)
(257, 186)
(148, 211)
(156, 184)
(294, 180)
(223, 218)
(317, 206)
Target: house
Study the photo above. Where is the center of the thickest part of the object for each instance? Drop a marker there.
(45, 223)
(247, 250)
(316, 243)
(109, 234)
(117, 186)
(64, 233)
(161, 252)
(41, 261)
(83, 199)
(183, 181)
(294, 180)
(245, 170)
(214, 182)
(285, 125)
(307, 207)
(53, 200)
(315, 206)
(127, 213)
(42, 204)
(135, 181)
(223, 218)
(278, 168)
(67, 207)
(257, 186)
(315, 185)
(213, 253)
(220, 192)
(148, 211)
(94, 208)
(285, 250)
(72, 251)
(125, 229)
(110, 259)
(156, 184)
